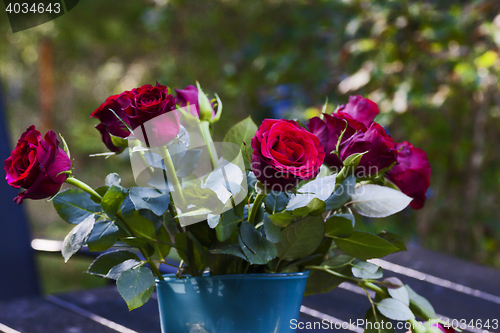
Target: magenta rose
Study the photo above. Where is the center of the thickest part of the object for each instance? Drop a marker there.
(189, 96)
(35, 165)
(361, 109)
(284, 154)
(412, 174)
(328, 132)
(380, 150)
(135, 108)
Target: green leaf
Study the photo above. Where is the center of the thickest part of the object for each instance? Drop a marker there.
(113, 179)
(400, 294)
(339, 226)
(373, 325)
(321, 282)
(186, 163)
(162, 249)
(141, 227)
(363, 245)
(337, 261)
(301, 238)
(273, 232)
(258, 249)
(352, 161)
(119, 142)
(103, 236)
(150, 199)
(136, 286)
(394, 239)
(231, 249)
(227, 225)
(392, 282)
(77, 237)
(378, 201)
(366, 270)
(115, 272)
(420, 306)
(394, 309)
(281, 219)
(319, 189)
(75, 205)
(276, 201)
(200, 254)
(113, 199)
(213, 220)
(242, 134)
(342, 194)
(106, 261)
(315, 207)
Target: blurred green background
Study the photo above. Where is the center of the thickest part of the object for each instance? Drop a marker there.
(432, 67)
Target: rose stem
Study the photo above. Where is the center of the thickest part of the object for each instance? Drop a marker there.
(97, 197)
(255, 208)
(169, 165)
(205, 130)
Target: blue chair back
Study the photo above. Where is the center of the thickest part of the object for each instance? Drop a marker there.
(18, 276)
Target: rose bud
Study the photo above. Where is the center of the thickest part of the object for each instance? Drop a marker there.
(204, 110)
(284, 154)
(361, 109)
(328, 132)
(380, 150)
(113, 130)
(413, 173)
(36, 165)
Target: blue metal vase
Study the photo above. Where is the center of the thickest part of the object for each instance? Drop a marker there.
(243, 303)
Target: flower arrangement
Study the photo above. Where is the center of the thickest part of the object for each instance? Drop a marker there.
(278, 197)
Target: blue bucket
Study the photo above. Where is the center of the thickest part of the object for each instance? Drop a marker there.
(242, 303)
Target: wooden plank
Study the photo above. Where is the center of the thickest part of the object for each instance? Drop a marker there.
(36, 315)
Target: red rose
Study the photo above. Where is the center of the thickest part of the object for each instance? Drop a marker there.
(380, 148)
(146, 102)
(328, 132)
(361, 109)
(413, 173)
(284, 154)
(135, 108)
(110, 124)
(35, 165)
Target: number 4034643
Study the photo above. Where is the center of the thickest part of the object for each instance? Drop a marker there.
(35, 8)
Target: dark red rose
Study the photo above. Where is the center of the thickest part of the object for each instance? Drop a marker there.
(361, 109)
(284, 154)
(146, 102)
(328, 132)
(135, 108)
(380, 148)
(413, 173)
(110, 124)
(35, 165)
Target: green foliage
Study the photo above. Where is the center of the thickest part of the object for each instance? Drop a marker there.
(74, 205)
(136, 286)
(363, 245)
(77, 237)
(241, 134)
(301, 238)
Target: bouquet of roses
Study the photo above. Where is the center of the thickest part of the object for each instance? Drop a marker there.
(279, 197)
